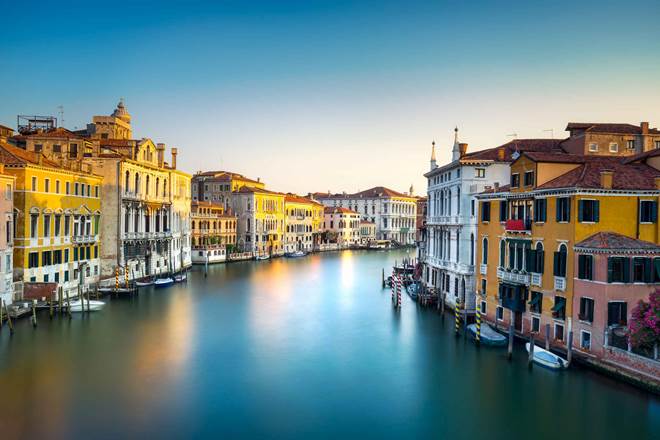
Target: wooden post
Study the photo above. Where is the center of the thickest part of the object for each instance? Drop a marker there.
(511, 329)
(530, 359)
(443, 305)
(457, 319)
(59, 298)
(569, 350)
(477, 338)
(383, 278)
(9, 322)
(50, 306)
(1, 321)
(34, 313)
(68, 305)
(547, 336)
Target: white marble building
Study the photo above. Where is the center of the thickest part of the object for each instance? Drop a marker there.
(452, 218)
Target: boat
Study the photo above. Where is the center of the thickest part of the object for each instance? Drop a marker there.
(163, 282)
(296, 254)
(412, 290)
(180, 277)
(262, 257)
(82, 306)
(488, 336)
(547, 359)
(144, 282)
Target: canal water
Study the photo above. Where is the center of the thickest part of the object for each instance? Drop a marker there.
(292, 348)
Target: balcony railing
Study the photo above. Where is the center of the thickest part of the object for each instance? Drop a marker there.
(79, 239)
(483, 269)
(560, 283)
(514, 225)
(513, 277)
(536, 279)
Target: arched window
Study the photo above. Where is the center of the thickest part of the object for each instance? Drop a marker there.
(502, 253)
(127, 184)
(472, 249)
(146, 189)
(157, 186)
(537, 264)
(484, 251)
(164, 187)
(560, 261)
(137, 183)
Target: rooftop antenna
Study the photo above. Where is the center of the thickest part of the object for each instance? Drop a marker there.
(60, 111)
(551, 131)
(513, 135)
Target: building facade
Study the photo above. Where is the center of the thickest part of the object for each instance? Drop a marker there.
(299, 223)
(7, 183)
(213, 233)
(341, 226)
(394, 213)
(57, 213)
(367, 232)
(260, 216)
(217, 186)
(181, 253)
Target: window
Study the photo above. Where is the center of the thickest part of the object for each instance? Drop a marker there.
(46, 225)
(529, 178)
(614, 147)
(539, 257)
(618, 270)
(67, 187)
(33, 260)
(484, 251)
(38, 148)
(540, 209)
(56, 231)
(515, 180)
(559, 332)
(47, 185)
(536, 302)
(648, 211)
(485, 211)
(586, 309)
(585, 267)
(34, 225)
(617, 313)
(480, 172)
(630, 144)
(536, 324)
(57, 187)
(588, 211)
(657, 145)
(57, 257)
(8, 192)
(593, 147)
(563, 209)
(46, 258)
(499, 313)
(559, 268)
(503, 210)
(483, 307)
(585, 340)
(57, 148)
(472, 207)
(75, 188)
(483, 287)
(34, 183)
(642, 271)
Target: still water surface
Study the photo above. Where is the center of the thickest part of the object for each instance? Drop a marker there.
(304, 348)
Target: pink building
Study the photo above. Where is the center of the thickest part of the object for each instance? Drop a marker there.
(613, 272)
(6, 235)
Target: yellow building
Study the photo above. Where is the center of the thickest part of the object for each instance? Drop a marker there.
(527, 232)
(218, 186)
(300, 213)
(57, 211)
(260, 215)
(213, 233)
(7, 183)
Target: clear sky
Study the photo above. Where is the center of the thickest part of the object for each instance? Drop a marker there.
(332, 95)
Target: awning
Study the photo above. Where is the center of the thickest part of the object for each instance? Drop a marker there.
(558, 306)
(535, 300)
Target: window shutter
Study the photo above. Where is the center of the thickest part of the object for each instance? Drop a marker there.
(558, 210)
(544, 206)
(562, 259)
(648, 270)
(597, 211)
(540, 256)
(568, 209)
(654, 211)
(610, 269)
(612, 317)
(530, 260)
(556, 269)
(580, 210)
(581, 266)
(626, 270)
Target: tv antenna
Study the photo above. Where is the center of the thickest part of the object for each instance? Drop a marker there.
(60, 112)
(513, 135)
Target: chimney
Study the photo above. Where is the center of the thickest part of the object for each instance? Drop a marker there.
(462, 148)
(645, 127)
(496, 185)
(500, 154)
(40, 158)
(160, 148)
(606, 177)
(174, 153)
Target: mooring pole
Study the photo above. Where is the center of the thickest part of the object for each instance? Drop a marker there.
(530, 359)
(383, 278)
(9, 322)
(34, 313)
(457, 319)
(511, 328)
(569, 352)
(478, 324)
(547, 336)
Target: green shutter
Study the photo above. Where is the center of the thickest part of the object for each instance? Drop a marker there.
(530, 260)
(582, 266)
(558, 210)
(596, 211)
(610, 269)
(654, 212)
(580, 210)
(555, 268)
(648, 270)
(626, 270)
(540, 263)
(544, 209)
(568, 209)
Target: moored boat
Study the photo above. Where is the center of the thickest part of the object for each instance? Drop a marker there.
(488, 336)
(163, 282)
(296, 254)
(83, 306)
(180, 277)
(547, 359)
(262, 257)
(144, 282)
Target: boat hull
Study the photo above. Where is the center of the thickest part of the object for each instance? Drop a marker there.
(166, 282)
(547, 359)
(488, 335)
(78, 306)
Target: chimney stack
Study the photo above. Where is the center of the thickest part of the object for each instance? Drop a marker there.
(645, 127)
(160, 148)
(462, 148)
(500, 154)
(175, 151)
(496, 185)
(606, 177)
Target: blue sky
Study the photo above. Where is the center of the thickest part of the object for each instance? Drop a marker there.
(332, 95)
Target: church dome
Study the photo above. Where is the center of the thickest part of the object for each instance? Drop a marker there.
(121, 113)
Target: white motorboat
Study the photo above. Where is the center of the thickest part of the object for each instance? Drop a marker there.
(547, 359)
(82, 306)
(163, 282)
(145, 282)
(180, 277)
(296, 254)
(488, 336)
(262, 257)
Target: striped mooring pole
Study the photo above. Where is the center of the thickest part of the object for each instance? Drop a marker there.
(117, 278)
(478, 323)
(393, 286)
(457, 316)
(398, 292)
(126, 275)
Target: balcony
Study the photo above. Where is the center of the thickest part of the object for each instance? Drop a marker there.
(513, 276)
(483, 269)
(560, 283)
(523, 225)
(82, 239)
(536, 279)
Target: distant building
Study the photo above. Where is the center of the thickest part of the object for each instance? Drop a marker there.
(394, 213)
(367, 232)
(7, 185)
(260, 216)
(213, 232)
(300, 227)
(217, 186)
(341, 226)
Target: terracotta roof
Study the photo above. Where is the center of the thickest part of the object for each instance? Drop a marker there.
(377, 191)
(226, 175)
(299, 199)
(367, 222)
(554, 157)
(11, 155)
(599, 127)
(520, 145)
(632, 176)
(642, 156)
(252, 189)
(616, 242)
(57, 132)
(338, 209)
